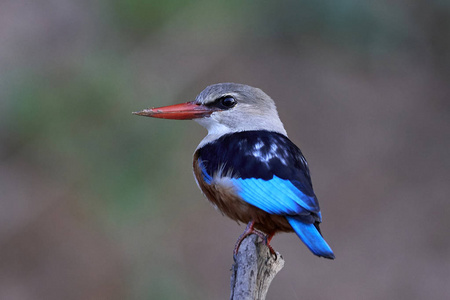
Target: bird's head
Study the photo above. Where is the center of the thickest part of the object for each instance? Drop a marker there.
(225, 108)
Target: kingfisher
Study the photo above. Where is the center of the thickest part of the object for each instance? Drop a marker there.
(247, 166)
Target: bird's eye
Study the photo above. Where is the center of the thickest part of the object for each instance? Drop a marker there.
(227, 102)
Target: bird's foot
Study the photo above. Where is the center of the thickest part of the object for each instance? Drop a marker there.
(266, 240)
(248, 231)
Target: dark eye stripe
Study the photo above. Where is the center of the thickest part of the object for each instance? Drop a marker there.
(223, 103)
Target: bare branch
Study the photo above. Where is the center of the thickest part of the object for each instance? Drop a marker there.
(253, 270)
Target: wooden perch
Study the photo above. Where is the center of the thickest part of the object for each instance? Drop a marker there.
(253, 270)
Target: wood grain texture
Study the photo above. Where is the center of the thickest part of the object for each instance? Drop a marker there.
(253, 270)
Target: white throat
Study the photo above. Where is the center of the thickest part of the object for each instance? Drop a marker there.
(217, 129)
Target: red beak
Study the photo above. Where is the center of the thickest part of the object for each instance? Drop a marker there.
(183, 111)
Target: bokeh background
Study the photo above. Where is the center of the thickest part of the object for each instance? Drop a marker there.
(99, 204)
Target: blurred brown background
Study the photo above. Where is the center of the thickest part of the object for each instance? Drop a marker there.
(99, 204)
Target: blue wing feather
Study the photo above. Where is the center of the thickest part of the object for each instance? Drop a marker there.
(259, 194)
(275, 196)
(270, 173)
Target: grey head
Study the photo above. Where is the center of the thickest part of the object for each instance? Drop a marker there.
(239, 108)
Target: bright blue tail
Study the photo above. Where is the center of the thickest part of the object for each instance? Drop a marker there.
(312, 238)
